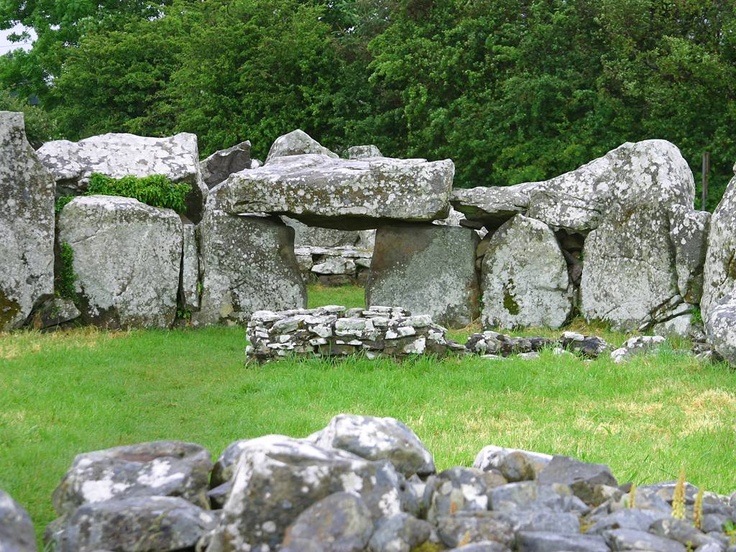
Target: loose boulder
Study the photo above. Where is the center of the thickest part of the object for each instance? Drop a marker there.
(347, 194)
(221, 164)
(247, 263)
(492, 207)
(118, 155)
(297, 142)
(427, 269)
(127, 260)
(26, 225)
(525, 280)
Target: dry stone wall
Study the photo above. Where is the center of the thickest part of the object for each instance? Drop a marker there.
(362, 484)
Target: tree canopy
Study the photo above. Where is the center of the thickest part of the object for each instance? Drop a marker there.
(511, 90)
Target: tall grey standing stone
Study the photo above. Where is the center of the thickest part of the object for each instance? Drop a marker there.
(718, 304)
(426, 269)
(629, 276)
(247, 263)
(127, 259)
(525, 280)
(26, 225)
(118, 155)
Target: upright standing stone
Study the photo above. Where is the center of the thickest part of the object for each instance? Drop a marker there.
(629, 275)
(247, 264)
(26, 225)
(426, 269)
(127, 259)
(525, 280)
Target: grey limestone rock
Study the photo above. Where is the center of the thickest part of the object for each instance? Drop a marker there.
(426, 269)
(494, 457)
(277, 478)
(637, 345)
(375, 438)
(127, 259)
(159, 468)
(631, 539)
(118, 155)
(648, 173)
(247, 263)
(221, 164)
(296, 142)
(525, 280)
(689, 234)
(352, 194)
(399, 533)
(492, 206)
(189, 289)
(156, 523)
(26, 225)
(54, 312)
(461, 490)
(482, 546)
(582, 477)
(320, 237)
(340, 522)
(363, 152)
(639, 519)
(468, 527)
(629, 277)
(16, 528)
(547, 541)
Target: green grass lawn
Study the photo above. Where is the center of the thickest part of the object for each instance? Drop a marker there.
(66, 393)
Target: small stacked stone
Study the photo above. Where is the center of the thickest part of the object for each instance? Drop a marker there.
(494, 344)
(337, 331)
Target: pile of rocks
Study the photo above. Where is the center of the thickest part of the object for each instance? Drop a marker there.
(361, 484)
(337, 331)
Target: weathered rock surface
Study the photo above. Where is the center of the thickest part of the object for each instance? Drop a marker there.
(16, 528)
(718, 303)
(335, 331)
(54, 312)
(26, 225)
(221, 164)
(291, 495)
(131, 524)
(189, 282)
(127, 259)
(118, 155)
(247, 263)
(427, 269)
(648, 173)
(345, 194)
(492, 207)
(278, 478)
(525, 280)
(377, 439)
(629, 276)
(362, 152)
(297, 142)
(689, 234)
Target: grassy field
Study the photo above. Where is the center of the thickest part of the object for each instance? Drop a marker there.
(66, 393)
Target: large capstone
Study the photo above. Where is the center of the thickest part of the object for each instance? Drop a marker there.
(247, 264)
(347, 194)
(26, 225)
(652, 172)
(426, 269)
(119, 155)
(127, 260)
(629, 276)
(525, 280)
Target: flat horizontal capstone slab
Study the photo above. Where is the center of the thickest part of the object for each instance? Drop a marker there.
(347, 194)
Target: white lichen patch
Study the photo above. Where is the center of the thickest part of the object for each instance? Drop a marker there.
(102, 489)
(159, 475)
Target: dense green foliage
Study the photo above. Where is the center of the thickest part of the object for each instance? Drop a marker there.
(511, 90)
(65, 278)
(155, 190)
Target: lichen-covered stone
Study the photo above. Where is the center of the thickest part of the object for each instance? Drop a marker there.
(296, 142)
(26, 225)
(362, 152)
(689, 235)
(426, 269)
(525, 280)
(247, 263)
(159, 468)
(127, 260)
(629, 277)
(189, 291)
(277, 478)
(352, 194)
(375, 438)
(118, 155)
(650, 173)
(492, 206)
(156, 523)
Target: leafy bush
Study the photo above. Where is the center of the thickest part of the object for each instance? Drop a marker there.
(61, 203)
(155, 190)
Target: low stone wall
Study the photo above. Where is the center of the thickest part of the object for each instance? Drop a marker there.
(361, 484)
